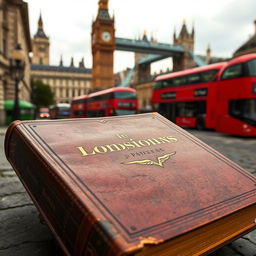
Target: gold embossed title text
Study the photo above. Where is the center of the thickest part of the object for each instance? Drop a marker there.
(128, 145)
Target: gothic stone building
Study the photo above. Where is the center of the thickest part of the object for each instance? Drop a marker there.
(14, 29)
(66, 82)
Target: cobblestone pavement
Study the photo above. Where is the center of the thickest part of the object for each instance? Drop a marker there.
(23, 233)
(241, 151)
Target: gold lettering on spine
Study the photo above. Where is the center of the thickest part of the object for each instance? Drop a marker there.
(171, 139)
(144, 143)
(84, 153)
(127, 145)
(97, 149)
(135, 143)
(115, 147)
(122, 136)
(164, 140)
(154, 141)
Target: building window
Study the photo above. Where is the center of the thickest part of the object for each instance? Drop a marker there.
(5, 89)
(4, 47)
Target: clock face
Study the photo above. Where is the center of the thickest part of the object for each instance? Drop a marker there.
(106, 36)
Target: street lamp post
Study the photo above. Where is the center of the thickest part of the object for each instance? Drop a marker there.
(17, 72)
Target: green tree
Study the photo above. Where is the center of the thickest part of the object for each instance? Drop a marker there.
(42, 95)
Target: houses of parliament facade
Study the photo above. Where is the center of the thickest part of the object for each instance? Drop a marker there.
(66, 82)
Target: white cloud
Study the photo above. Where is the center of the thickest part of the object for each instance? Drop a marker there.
(225, 25)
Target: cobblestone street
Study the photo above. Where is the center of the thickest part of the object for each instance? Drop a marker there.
(23, 232)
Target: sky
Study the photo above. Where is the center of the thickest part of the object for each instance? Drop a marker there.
(223, 24)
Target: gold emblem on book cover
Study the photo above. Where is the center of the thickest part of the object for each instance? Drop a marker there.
(160, 160)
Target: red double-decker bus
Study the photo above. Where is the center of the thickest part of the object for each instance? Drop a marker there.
(79, 107)
(109, 102)
(219, 96)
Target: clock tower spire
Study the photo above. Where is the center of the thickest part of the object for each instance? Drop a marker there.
(103, 4)
(103, 46)
(40, 45)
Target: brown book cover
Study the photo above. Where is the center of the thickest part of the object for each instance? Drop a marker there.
(131, 185)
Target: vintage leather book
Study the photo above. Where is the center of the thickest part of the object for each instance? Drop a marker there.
(131, 185)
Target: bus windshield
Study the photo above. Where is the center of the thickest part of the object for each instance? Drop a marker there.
(125, 95)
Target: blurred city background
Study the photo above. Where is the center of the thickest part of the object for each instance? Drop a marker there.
(192, 61)
(89, 46)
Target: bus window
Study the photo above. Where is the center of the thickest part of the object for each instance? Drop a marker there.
(167, 110)
(208, 75)
(125, 95)
(190, 109)
(179, 81)
(78, 113)
(120, 112)
(163, 84)
(251, 65)
(157, 85)
(244, 110)
(194, 79)
(232, 72)
(97, 113)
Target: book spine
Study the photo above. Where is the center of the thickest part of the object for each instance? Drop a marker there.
(63, 213)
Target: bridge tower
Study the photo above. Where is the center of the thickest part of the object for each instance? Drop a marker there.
(187, 40)
(103, 46)
(142, 71)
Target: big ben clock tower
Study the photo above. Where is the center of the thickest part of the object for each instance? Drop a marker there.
(103, 46)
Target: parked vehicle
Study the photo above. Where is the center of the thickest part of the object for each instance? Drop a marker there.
(43, 113)
(27, 111)
(59, 111)
(219, 96)
(114, 101)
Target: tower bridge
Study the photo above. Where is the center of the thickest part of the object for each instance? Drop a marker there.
(104, 43)
(143, 46)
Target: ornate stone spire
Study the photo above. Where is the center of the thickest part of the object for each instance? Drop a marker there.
(61, 61)
(40, 28)
(208, 54)
(145, 38)
(174, 35)
(40, 21)
(193, 30)
(72, 62)
(103, 13)
(184, 31)
(103, 4)
(81, 63)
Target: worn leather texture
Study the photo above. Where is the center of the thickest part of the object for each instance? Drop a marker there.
(123, 182)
